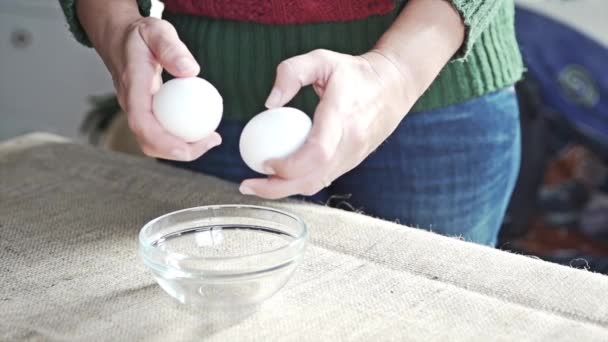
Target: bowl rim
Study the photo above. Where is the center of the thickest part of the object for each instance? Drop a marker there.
(148, 247)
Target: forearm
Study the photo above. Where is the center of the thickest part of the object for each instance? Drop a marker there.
(87, 18)
(103, 20)
(422, 40)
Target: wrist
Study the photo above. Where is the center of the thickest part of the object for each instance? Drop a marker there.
(395, 72)
(422, 40)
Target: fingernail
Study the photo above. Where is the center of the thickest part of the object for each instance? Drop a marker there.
(246, 190)
(181, 154)
(185, 65)
(269, 170)
(214, 143)
(274, 99)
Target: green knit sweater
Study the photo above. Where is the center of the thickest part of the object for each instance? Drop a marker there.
(240, 58)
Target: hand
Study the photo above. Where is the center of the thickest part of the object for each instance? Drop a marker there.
(362, 101)
(136, 59)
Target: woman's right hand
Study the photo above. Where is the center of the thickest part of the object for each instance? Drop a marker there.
(135, 50)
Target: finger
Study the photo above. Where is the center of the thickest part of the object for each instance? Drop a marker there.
(276, 188)
(295, 73)
(321, 145)
(201, 147)
(166, 146)
(162, 39)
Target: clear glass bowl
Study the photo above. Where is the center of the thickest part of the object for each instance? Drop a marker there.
(223, 256)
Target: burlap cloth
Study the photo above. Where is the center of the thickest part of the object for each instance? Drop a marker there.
(69, 269)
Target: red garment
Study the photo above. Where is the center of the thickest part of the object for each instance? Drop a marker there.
(282, 11)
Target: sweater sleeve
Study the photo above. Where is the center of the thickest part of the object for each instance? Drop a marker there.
(69, 10)
(477, 15)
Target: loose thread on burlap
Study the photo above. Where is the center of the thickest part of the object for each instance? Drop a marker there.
(342, 203)
(576, 260)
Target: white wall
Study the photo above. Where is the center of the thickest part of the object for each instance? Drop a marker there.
(45, 81)
(46, 78)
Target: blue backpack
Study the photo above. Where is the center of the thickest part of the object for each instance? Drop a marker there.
(563, 100)
(571, 72)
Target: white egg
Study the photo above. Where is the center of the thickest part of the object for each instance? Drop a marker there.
(188, 108)
(273, 134)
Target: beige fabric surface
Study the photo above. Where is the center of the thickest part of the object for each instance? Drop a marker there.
(69, 269)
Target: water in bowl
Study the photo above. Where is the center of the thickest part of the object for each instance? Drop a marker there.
(219, 243)
(223, 241)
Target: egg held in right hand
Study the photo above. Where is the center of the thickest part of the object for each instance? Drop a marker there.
(273, 134)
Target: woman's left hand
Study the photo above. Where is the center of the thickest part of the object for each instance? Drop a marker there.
(362, 101)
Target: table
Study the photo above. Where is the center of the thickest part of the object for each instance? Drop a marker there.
(69, 269)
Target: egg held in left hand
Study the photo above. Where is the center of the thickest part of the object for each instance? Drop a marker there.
(189, 108)
(273, 134)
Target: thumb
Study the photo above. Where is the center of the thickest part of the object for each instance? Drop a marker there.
(295, 73)
(163, 41)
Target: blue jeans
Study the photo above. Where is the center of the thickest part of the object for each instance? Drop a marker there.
(450, 170)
